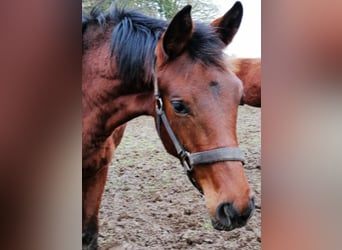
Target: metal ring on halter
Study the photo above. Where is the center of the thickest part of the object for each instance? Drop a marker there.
(159, 104)
(185, 158)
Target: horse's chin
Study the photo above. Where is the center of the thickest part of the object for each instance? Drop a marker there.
(219, 226)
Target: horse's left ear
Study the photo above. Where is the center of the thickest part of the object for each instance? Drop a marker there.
(227, 26)
(178, 33)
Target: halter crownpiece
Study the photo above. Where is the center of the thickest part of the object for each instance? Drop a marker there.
(190, 160)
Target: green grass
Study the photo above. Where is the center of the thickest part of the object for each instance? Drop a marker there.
(206, 225)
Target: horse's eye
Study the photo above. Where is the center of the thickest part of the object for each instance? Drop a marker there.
(180, 108)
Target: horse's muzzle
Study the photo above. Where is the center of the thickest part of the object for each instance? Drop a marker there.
(228, 218)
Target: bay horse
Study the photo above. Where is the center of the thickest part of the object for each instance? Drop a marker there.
(248, 70)
(136, 65)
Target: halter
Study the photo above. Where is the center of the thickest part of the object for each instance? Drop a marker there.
(187, 159)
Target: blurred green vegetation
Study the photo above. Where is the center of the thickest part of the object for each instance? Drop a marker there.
(202, 10)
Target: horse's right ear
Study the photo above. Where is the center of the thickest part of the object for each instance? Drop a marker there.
(178, 33)
(227, 26)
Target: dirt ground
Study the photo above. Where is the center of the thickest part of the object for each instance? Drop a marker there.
(149, 203)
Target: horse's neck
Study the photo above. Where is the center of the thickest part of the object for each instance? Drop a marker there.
(101, 83)
(106, 106)
(106, 101)
(100, 122)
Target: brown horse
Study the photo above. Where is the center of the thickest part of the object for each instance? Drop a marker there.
(136, 65)
(249, 72)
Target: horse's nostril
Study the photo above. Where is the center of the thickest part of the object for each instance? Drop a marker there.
(227, 215)
(223, 214)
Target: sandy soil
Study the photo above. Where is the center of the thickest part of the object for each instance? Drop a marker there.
(149, 203)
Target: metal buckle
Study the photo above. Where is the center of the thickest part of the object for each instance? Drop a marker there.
(159, 105)
(185, 156)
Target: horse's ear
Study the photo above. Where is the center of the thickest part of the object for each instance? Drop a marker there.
(227, 26)
(178, 33)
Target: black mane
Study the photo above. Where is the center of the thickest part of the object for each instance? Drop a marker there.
(135, 37)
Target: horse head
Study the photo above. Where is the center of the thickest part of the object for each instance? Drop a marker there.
(197, 100)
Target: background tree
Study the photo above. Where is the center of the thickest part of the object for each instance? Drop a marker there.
(202, 10)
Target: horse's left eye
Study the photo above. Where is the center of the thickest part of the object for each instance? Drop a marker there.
(180, 108)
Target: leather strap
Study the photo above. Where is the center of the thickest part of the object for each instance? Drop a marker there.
(216, 155)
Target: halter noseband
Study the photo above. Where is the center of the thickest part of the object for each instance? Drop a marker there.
(190, 160)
